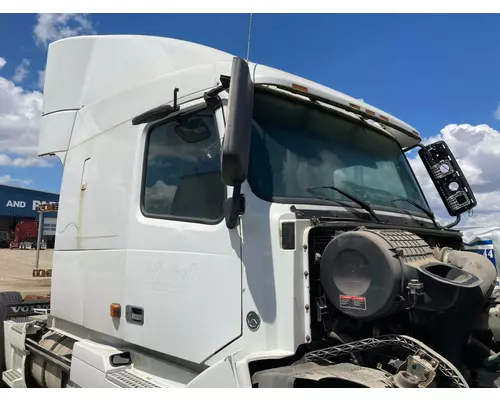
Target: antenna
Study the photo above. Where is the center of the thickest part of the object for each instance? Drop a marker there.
(249, 35)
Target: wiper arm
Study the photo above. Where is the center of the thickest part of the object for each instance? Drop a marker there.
(423, 209)
(361, 203)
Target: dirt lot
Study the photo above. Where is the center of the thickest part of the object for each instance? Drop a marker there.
(16, 268)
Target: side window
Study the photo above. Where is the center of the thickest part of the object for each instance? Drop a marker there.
(183, 169)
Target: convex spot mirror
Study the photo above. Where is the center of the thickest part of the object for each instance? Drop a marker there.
(448, 178)
(236, 144)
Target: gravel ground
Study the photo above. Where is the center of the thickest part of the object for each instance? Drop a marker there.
(16, 267)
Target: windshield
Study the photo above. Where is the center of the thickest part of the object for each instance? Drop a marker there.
(296, 144)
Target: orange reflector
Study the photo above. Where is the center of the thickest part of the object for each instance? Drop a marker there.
(383, 117)
(115, 310)
(370, 112)
(416, 133)
(301, 88)
(355, 106)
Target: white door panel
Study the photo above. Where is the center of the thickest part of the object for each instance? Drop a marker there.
(184, 271)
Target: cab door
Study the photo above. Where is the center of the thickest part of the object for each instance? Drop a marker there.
(186, 270)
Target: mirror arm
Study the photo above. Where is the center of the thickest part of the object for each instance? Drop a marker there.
(234, 207)
(212, 96)
(454, 223)
(422, 147)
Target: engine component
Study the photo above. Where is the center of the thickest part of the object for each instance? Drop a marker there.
(312, 374)
(423, 362)
(416, 368)
(494, 322)
(368, 274)
(422, 367)
(471, 262)
(404, 379)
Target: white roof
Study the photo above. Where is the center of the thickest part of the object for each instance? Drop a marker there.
(85, 69)
(123, 74)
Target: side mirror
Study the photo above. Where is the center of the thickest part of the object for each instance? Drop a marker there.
(448, 178)
(236, 145)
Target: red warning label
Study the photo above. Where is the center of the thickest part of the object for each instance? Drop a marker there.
(353, 302)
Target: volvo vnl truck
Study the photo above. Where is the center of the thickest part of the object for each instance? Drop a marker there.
(225, 224)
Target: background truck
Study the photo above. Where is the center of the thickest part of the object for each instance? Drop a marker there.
(225, 224)
(25, 235)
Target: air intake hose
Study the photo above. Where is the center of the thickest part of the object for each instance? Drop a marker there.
(473, 263)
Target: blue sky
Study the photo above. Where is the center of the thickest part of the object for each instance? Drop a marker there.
(432, 71)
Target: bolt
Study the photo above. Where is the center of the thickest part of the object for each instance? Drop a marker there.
(307, 307)
(306, 274)
(308, 338)
(304, 247)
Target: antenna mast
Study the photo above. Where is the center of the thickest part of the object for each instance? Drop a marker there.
(249, 35)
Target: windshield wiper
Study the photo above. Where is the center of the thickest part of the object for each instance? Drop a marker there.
(423, 209)
(361, 203)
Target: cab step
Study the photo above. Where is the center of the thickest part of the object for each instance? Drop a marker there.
(133, 378)
(13, 378)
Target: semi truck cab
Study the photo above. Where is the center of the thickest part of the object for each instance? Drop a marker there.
(226, 224)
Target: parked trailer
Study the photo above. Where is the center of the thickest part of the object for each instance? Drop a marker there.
(227, 224)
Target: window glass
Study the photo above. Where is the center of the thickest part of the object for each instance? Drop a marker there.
(296, 145)
(183, 169)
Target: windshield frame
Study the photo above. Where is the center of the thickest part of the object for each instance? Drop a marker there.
(352, 118)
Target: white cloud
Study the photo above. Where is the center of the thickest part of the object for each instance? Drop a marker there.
(477, 150)
(21, 71)
(7, 161)
(20, 114)
(51, 27)
(2, 62)
(159, 197)
(7, 179)
(496, 114)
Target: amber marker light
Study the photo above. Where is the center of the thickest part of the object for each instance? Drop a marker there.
(115, 310)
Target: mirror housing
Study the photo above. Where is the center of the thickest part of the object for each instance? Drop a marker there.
(448, 178)
(236, 143)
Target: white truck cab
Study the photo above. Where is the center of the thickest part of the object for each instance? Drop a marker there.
(226, 224)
